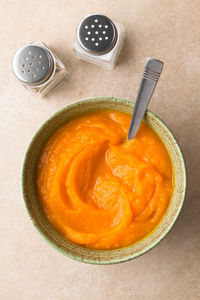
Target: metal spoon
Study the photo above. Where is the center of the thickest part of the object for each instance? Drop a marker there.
(152, 71)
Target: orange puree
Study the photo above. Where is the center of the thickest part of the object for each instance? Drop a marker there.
(98, 190)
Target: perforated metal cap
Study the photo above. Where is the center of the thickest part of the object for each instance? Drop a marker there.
(97, 34)
(32, 64)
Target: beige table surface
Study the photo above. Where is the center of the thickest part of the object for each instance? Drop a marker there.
(168, 30)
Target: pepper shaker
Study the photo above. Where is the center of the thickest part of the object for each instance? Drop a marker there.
(38, 68)
(99, 40)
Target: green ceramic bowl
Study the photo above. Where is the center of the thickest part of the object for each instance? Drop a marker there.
(36, 213)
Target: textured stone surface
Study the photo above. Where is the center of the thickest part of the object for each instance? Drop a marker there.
(167, 30)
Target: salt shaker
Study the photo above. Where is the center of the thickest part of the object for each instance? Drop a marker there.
(99, 40)
(38, 68)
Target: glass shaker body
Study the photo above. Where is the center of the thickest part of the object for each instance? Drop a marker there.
(38, 68)
(108, 37)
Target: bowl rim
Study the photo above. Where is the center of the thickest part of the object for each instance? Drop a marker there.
(46, 237)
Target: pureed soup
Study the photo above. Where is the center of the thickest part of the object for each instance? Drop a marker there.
(99, 190)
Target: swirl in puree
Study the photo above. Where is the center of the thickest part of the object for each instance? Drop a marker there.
(98, 190)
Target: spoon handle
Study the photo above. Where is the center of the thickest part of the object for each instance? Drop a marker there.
(152, 71)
